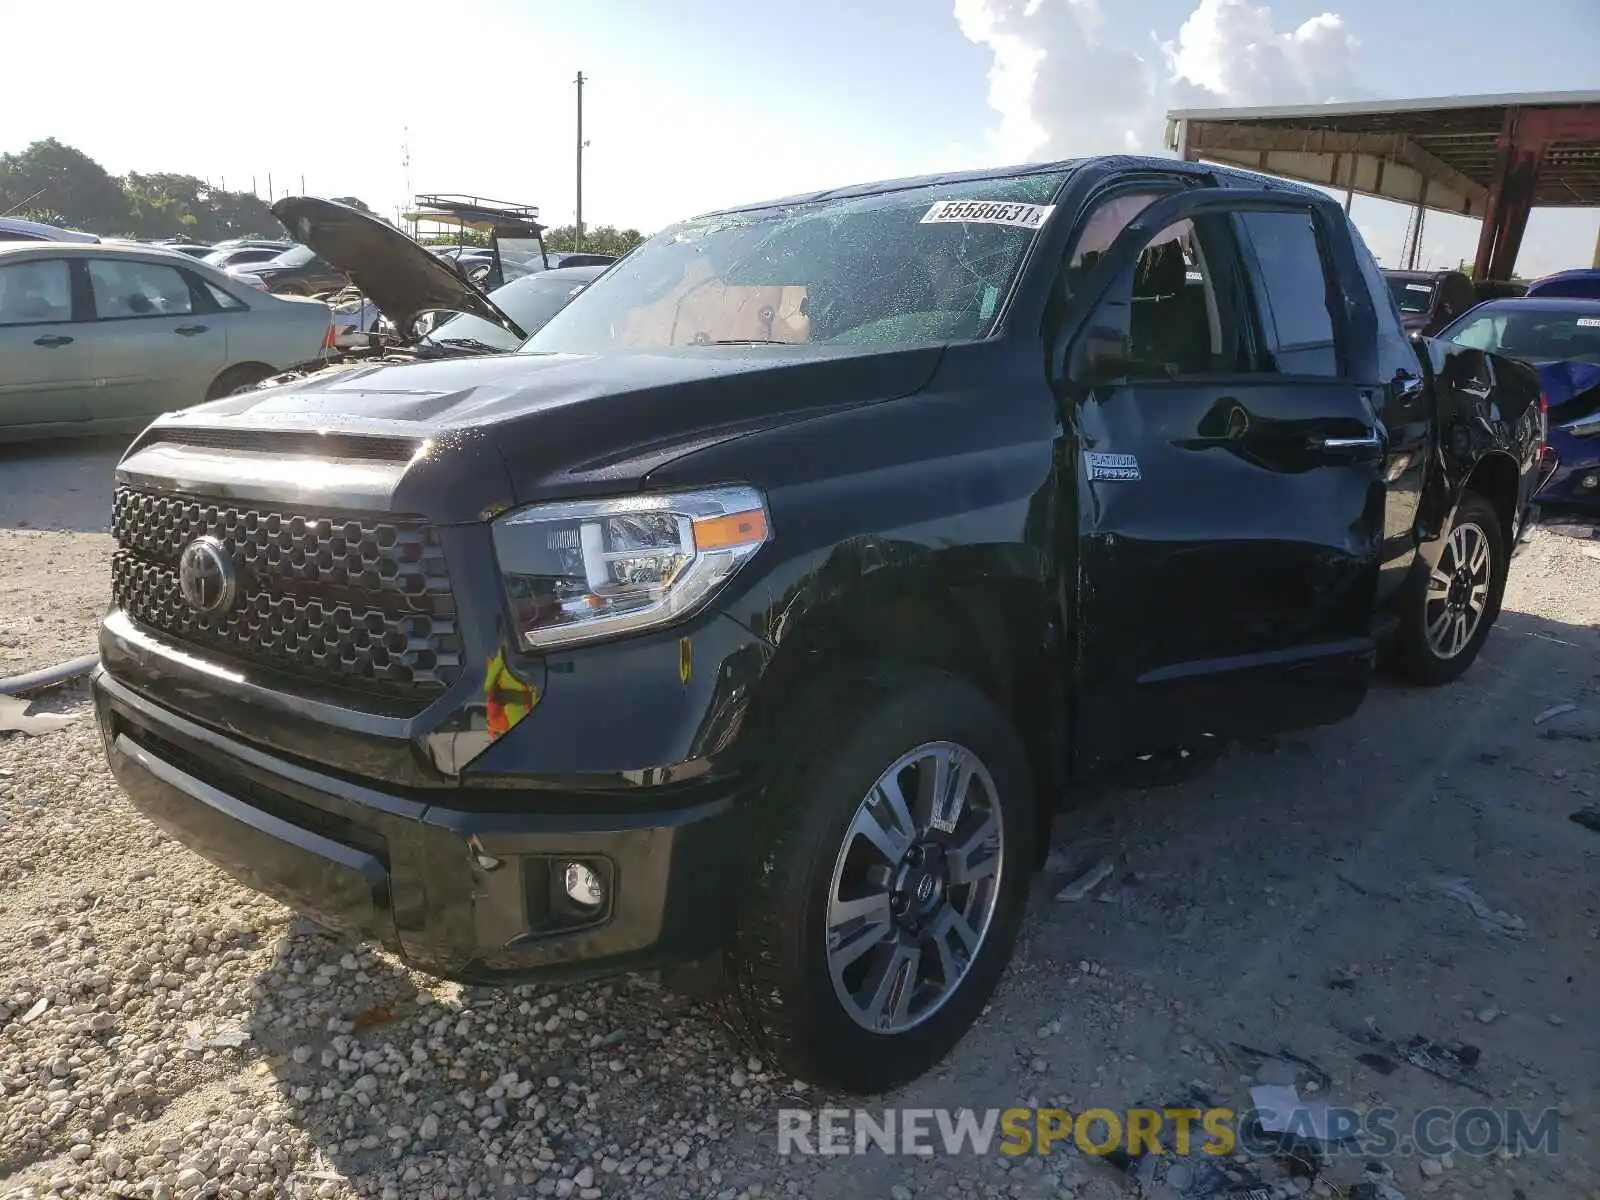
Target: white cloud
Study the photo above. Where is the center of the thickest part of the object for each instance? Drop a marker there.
(1059, 88)
(1228, 52)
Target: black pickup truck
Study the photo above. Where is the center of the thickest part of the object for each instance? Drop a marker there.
(760, 609)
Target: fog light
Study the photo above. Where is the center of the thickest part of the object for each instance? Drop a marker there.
(1589, 482)
(583, 886)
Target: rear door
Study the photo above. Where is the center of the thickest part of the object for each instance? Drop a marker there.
(46, 370)
(1229, 504)
(158, 341)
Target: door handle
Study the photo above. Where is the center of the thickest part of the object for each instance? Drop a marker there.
(189, 330)
(52, 340)
(1365, 446)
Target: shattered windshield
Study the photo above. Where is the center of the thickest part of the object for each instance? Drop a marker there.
(1412, 296)
(918, 266)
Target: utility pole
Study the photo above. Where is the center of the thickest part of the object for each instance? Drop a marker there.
(577, 225)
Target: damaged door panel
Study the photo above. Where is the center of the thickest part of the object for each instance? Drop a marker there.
(1229, 488)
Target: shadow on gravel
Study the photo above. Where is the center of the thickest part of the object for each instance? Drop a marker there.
(1263, 894)
(59, 484)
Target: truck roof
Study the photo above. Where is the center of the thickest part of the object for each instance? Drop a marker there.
(1108, 163)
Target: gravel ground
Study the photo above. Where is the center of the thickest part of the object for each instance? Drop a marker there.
(55, 507)
(165, 1032)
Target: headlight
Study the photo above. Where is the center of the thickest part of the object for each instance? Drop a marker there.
(592, 569)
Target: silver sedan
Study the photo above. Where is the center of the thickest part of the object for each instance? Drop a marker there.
(98, 338)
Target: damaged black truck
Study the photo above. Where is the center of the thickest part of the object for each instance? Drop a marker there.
(754, 617)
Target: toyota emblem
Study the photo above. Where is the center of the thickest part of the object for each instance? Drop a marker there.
(206, 576)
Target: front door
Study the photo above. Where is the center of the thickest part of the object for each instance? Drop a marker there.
(156, 346)
(46, 372)
(1229, 500)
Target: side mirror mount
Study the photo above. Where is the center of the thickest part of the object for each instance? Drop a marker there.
(1102, 353)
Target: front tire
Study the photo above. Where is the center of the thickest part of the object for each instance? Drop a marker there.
(1451, 608)
(899, 833)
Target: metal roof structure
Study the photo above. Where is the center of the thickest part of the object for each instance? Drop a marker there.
(1491, 157)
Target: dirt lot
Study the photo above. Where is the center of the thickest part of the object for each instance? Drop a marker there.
(164, 1032)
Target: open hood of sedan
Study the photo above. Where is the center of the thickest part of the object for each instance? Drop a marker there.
(401, 277)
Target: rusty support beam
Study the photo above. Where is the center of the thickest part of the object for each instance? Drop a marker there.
(1201, 136)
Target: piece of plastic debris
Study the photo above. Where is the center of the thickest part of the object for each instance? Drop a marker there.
(1280, 1109)
(14, 718)
(1554, 710)
(1285, 1068)
(1088, 881)
(1589, 817)
(37, 1011)
(1494, 920)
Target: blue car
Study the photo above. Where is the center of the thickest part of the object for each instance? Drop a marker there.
(1561, 338)
(1580, 283)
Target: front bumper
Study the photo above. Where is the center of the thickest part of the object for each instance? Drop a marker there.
(467, 895)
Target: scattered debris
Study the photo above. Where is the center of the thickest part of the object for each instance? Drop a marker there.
(1377, 1183)
(371, 1018)
(1286, 1069)
(1554, 710)
(1280, 1109)
(1196, 1176)
(1088, 881)
(228, 1038)
(1455, 1062)
(1343, 979)
(1378, 1063)
(14, 718)
(1589, 817)
(1494, 920)
(37, 1011)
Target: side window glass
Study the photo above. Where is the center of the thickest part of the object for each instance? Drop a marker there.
(1101, 229)
(1174, 324)
(221, 298)
(129, 288)
(35, 293)
(1396, 356)
(1295, 308)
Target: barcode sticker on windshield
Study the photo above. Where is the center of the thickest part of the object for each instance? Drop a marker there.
(989, 212)
(1589, 322)
(1419, 287)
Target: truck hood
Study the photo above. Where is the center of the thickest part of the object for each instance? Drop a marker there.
(398, 275)
(568, 424)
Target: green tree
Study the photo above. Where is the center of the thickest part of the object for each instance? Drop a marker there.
(607, 239)
(54, 178)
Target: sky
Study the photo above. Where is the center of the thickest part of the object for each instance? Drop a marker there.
(692, 105)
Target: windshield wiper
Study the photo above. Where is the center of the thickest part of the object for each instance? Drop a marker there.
(744, 342)
(472, 344)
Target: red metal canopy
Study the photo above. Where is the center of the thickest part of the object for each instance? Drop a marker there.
(1492, 157)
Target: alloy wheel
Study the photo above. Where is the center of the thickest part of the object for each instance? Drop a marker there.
(914, 887)
(1458, 590)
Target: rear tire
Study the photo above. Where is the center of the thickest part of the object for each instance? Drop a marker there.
(865, 1002)
(238, 379)
(1450, 608)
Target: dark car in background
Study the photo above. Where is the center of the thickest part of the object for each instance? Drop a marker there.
(246, 254)
(1430, 300)
(298, 271)
(1561, 338)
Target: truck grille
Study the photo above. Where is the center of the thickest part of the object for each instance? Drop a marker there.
(353, 601)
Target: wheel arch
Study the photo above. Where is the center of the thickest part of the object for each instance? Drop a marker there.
(1496, 478)
(232, 375)
(980, 613)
